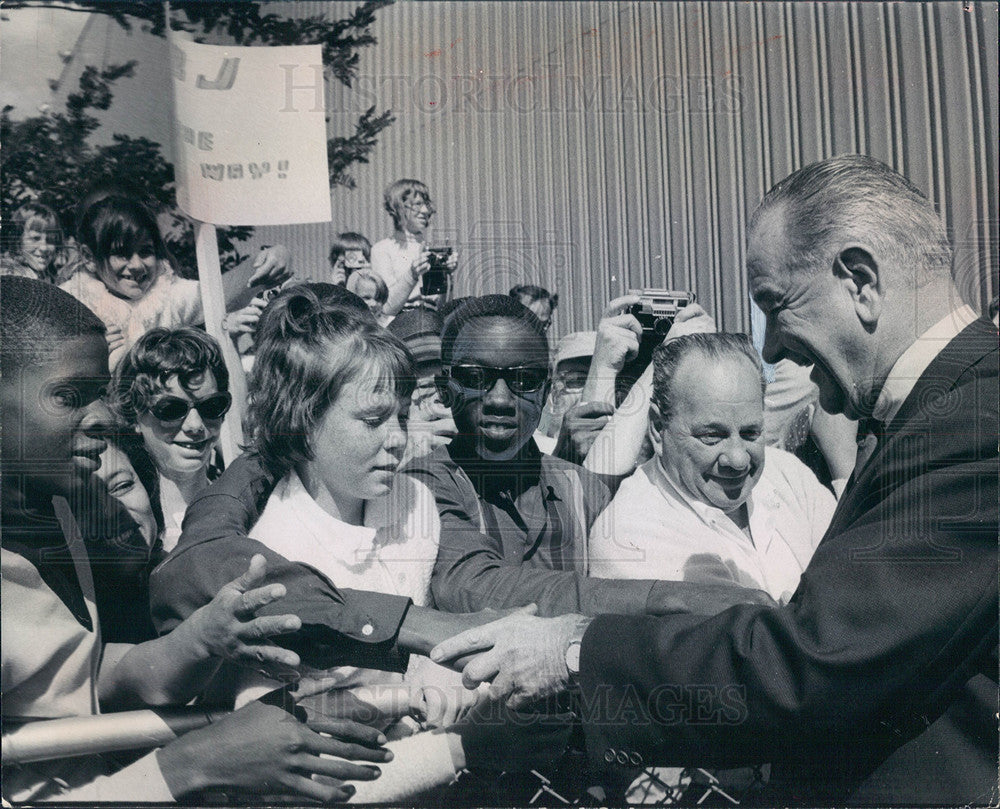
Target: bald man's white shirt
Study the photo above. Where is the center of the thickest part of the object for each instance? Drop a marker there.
(651, 530)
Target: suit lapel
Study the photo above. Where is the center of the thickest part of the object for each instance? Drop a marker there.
(966, 349)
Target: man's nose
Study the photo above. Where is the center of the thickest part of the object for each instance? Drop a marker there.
(97, 421)
(499, 393)
(135, 262)
(735, 456)
(773, 350)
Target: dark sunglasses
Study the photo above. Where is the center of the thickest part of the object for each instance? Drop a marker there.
(521, 379)
(174, 408)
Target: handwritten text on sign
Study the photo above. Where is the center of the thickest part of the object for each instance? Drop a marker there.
(244, 153)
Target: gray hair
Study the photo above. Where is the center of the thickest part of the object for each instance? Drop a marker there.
(714, 348)
(860, 194)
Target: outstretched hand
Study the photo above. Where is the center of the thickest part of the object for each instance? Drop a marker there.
(523, 656)
(228, 627)
(262, 749)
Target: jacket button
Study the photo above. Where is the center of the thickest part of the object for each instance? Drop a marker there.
(367, 629)
(635, 759)
(622, 757)
(609, 755)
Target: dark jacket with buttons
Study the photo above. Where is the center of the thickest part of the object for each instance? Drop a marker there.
(877, 684)
(339, 626)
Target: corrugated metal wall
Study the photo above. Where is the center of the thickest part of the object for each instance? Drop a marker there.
(592, 147)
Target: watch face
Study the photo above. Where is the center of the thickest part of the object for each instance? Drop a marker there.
(573, 657)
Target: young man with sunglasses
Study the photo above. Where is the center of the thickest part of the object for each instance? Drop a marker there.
(514, 522)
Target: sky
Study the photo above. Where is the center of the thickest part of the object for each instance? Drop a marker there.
(30, 42)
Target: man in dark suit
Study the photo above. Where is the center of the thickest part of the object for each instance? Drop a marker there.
(877, 683)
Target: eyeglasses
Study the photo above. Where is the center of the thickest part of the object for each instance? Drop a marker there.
(174, 408)
(573, 381)
(419, 204)
(521, 379)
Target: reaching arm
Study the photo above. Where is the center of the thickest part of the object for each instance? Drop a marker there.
(176, 667)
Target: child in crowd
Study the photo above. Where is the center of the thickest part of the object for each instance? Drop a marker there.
(54, 364)
(331, 394)
(349, 252)
(172, 387)
(371, 289)
(123, 548)
(327, 416)
(127, 277)
(32, 241)
(513, 522)
(402, 259)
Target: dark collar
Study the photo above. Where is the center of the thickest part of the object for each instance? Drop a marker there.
(520, 473)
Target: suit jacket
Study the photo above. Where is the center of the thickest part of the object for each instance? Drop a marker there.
(877, 683)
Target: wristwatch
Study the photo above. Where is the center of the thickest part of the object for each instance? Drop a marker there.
(573, 658)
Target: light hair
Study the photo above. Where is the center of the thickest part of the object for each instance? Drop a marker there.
(402, 191)
(312, 348)
(358, 277)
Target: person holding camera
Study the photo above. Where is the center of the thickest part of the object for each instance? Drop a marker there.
(404, 259)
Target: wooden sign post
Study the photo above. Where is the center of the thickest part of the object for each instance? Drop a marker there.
(249, 149)
(214, 305)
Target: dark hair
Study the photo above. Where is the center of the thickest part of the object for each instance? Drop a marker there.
(159, 354)
(399, 192)
(484, 306)
(714, 347)
(312, 349)
(417, 322)
(856, 192)
(30, 216)
(350, 241)
(118, 224)
(135, 450)
(534, 293)
(37, 320)
(447, 307)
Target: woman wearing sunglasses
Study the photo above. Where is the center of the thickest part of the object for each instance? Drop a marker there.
(172, 387)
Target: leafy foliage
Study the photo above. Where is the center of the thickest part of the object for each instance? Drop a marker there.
(48, 157)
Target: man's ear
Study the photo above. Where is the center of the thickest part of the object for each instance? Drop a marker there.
(855, 266)
(86, 253)
(654, 427)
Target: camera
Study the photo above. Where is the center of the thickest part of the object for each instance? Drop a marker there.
(270, 293)
(435, 280)
(657, 310)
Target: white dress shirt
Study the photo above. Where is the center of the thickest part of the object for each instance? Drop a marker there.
(651, 530)
(914, 361)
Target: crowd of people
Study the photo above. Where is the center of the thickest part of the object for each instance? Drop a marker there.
(458, 564)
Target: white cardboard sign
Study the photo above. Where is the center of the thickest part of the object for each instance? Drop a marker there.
(250, 134)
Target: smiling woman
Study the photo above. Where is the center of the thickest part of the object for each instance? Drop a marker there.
(171, 387)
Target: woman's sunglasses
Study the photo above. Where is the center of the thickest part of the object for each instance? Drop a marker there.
(522, 379)
(174, 408)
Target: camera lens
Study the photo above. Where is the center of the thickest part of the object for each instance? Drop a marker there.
(662, 325)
